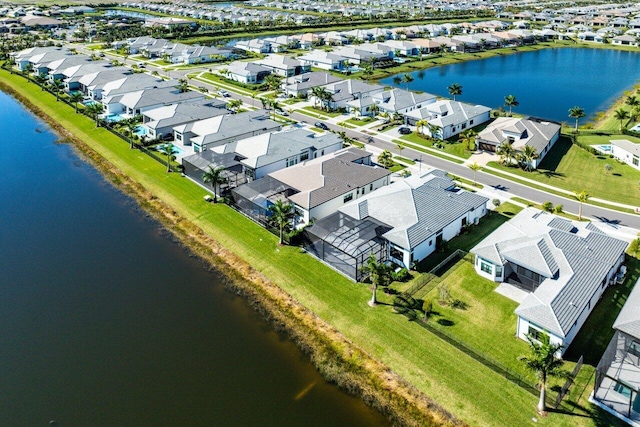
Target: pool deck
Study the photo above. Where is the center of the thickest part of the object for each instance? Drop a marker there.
(602, 148)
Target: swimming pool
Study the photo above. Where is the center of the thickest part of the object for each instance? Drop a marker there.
(140, 130)
(176, 149)
(113, 117)
(603, 148)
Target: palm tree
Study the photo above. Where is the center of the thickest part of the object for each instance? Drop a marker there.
(380, 274)
(214, 176)
(420, 124)
(75, 97)
(234, 104)
(468, 138)
(397, 80)
(454, 90)
(576, 113)
(281, 216)
(131, 125)
(581, 197)
(56, 87)
(367, 71)
(434, 130)
(544, 363)
(407, 78)
(632, 101)
(506, 152)
(95, 109)
(183, 85)
(621, 115)
(273, 82)
(475, 167)
(528, 155)
(170, 151)
(385, 159)
(510, 101)
(374, 109)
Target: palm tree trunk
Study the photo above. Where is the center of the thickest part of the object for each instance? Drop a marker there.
(215, 193)
(542, 406)
(580, 211)
(373, 300)
(281, 235)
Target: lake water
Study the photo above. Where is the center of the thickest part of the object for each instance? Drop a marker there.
(546, 83)
(105, 320)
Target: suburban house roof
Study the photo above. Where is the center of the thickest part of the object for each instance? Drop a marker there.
(247, 68)
(133, 82)
(416, 208)
(176, 114)
(627, 146)
(447, 112)
(534, 133)
(310, 80)
(325, 178)
(268, 148)
(573, 258)
(400, 99)
(221, 128)
(628, 321)
(157, 96)
(350, 89)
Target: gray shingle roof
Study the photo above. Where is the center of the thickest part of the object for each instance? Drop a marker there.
(628, 321)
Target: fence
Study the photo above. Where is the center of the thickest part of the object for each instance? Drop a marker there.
(428, 277)
(567, 383)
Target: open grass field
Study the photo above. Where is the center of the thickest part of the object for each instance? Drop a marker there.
(455, 148)
(456, 381)
(569, 167)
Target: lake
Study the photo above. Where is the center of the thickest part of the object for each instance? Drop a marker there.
(106, 320)
(546, 83)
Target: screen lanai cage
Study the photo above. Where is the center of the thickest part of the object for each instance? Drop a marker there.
(617, 383)
(197, 164)
(346, 243)
(254, 198)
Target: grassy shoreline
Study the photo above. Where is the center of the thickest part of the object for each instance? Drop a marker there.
(338, 359)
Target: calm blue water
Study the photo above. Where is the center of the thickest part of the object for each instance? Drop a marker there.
(546, 83)
(106, 321)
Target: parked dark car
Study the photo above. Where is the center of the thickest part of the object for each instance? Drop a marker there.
(321, 125)
(404, 130)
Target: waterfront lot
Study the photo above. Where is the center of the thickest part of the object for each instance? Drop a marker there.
(458, 382)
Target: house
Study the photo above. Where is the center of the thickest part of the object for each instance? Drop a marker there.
(403, 47)
(247, 72)
(284, 66)
(562, 266)
(301, 86)
(93, 84)
(403, 222)
(254, 45)
(324, 60)
(159, 122)
(401, 101)
(269, 152)
(357, 55)
(344, 91)
(220, 130)
(626, 151)
(625, 40)
(28, 58)
(71, 76)
(139, 101)
(519, 132)
(449, 117)
(617, 384)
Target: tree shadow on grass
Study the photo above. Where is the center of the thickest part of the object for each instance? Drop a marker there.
(446, 322)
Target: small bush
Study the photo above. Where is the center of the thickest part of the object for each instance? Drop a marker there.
(547, 206)
(400, 275)
(558, 209)
(496, 202)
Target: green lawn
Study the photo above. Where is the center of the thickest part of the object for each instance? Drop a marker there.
(569, 167)
(455, 148)
(453, 379)
(359, 121)
(320, 112)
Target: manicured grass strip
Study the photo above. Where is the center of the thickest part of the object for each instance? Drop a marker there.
(571, 168)
(455, 380)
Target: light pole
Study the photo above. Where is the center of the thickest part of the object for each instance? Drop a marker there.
(420, 162)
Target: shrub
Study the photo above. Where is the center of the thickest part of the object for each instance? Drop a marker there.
(547, 206)
(400, 275)
(496, 202)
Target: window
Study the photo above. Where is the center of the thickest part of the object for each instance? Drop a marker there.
(292, 161)
(486, 267)
(470, 122)
(464, 126)
(396, 253)
(348, 198)
(635, 161)
(535, 333)
(370, 187)
(304, 156)
(430, 242)
(498, 271)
